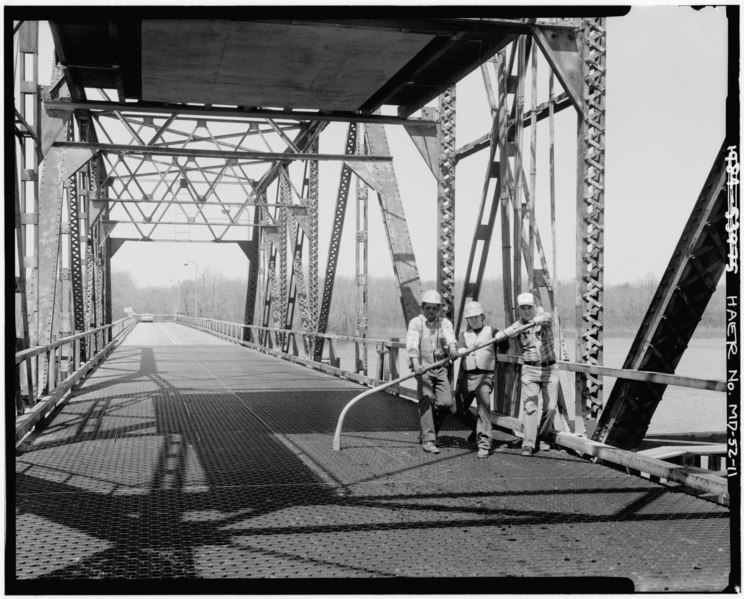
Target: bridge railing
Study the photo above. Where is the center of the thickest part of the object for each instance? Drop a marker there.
(298, 346)
(291, 343)
(68, 361)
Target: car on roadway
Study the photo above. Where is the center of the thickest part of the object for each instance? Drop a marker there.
(146, 318)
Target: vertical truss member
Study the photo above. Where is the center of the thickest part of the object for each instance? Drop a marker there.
(590, 208)
(446, 200)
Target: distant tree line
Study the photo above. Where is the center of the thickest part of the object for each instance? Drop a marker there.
(223, 298)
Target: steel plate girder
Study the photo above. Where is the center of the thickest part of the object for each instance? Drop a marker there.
(561, 49)
(56, 167)
(675, 310)
(427, 140)
(381, 178)
(252, 250)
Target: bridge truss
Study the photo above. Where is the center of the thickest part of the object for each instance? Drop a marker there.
(94, 171)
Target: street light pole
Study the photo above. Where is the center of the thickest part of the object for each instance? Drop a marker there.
(196, 282)
(178, 301)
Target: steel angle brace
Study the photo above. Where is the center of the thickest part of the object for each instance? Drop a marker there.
(347, 407)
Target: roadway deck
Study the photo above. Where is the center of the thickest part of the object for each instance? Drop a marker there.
(192, 458)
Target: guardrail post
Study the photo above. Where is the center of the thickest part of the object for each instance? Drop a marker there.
(18, 392)
(393, 358)
(358, 362)
(381, 351)
(332, 359)
(76, 355)
(52, 378)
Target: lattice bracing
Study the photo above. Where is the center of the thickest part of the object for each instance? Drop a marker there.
(591, 275)
(446, 196)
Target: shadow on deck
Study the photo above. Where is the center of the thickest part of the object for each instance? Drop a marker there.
(214, 465)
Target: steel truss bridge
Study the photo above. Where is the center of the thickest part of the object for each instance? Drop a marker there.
(164, 129)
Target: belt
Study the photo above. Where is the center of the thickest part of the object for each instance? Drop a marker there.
(541, 364)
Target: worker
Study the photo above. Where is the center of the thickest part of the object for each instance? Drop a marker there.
(476, 378)
(539, 396)
(431, 339)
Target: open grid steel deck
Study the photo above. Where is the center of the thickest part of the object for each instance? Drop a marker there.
(213, 464)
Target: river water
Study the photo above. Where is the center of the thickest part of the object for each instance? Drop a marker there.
(681, 410)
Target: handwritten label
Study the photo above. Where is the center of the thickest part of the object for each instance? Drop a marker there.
(732, 214)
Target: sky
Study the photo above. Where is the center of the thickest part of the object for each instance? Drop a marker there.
(666, 90)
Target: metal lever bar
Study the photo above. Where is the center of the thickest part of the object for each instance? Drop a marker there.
(339, 425)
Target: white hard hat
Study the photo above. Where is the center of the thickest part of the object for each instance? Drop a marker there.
(473, 309)
(525, 299)
(431, 297)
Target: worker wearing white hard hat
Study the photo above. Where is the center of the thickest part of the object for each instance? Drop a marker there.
(431, 339)
(476, 378)
(539, 396)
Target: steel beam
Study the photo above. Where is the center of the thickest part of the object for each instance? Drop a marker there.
(685, 289)
(74, 201)
(253, 253)
(381, 178)
(57, 166)
(446, 202)
(590, 212)
(560, 47)
(361, 268)
(220, 154)
(484, 225)
(242, 114)
(335, 244)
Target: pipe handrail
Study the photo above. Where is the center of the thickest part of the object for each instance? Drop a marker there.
(497, 337)
(399, 344)
(25, 354)
(620, 373)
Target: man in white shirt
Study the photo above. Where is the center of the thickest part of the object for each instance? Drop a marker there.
(431, 339)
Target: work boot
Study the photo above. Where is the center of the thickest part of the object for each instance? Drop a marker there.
(429, 447)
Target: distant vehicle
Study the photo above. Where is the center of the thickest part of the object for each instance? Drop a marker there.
(146, 318)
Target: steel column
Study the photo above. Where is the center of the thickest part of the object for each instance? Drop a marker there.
(446, 201)
(253, 254)
(333, 250)
(313, 234)
(484, 225)
(361, 270)
(590, 208)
